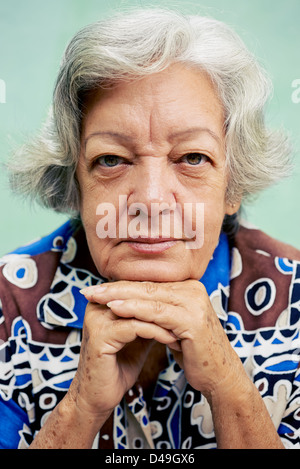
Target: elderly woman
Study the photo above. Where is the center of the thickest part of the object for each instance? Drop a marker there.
(153, 319)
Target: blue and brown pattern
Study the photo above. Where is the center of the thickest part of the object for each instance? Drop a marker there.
(254, 286)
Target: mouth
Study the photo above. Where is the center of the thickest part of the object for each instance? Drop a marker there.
(151, 245)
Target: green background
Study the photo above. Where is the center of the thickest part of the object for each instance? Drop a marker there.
(33, 36)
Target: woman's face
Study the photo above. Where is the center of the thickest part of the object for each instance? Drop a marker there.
(152, 176)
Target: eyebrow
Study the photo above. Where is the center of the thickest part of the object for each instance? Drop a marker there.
(194, 130)
(172, 136)
(116, 135)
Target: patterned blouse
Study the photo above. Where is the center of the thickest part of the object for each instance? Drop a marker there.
(254, 287)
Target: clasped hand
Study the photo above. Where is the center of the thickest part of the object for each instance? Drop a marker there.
(121, 321)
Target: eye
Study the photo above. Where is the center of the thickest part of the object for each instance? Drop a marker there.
(109, 161)
(195, 159)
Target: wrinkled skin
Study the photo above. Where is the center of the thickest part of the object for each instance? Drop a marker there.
(157, 140)
(159, 311)
(153, 129)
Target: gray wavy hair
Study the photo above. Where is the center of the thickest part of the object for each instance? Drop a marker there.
(130, 46)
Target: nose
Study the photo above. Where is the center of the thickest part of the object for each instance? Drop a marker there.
(154, 184)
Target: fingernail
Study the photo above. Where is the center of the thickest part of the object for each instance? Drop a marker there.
(114, 303)
(94, 289)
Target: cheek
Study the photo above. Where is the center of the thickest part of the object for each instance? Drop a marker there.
(99, 248)
(92, 193)
(211, 204)
(211, 220)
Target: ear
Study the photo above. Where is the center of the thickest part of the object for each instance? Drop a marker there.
(232, 208)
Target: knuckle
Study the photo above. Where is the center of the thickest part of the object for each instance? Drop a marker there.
(159, 308)
(196, 286)
(193, 283)
(95, 315)
(150, 288)
(197, 290)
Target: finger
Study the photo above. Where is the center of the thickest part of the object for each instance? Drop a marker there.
(144, 310)
(165, 315)
(176, 348)
(105, 326)
(124, 331)
(171, 292)
(178, 356)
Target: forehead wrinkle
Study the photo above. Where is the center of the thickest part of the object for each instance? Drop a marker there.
(158, 125)
(110, 134)
(150, 111)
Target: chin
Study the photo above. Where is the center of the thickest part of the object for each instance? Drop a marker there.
(165, 273)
